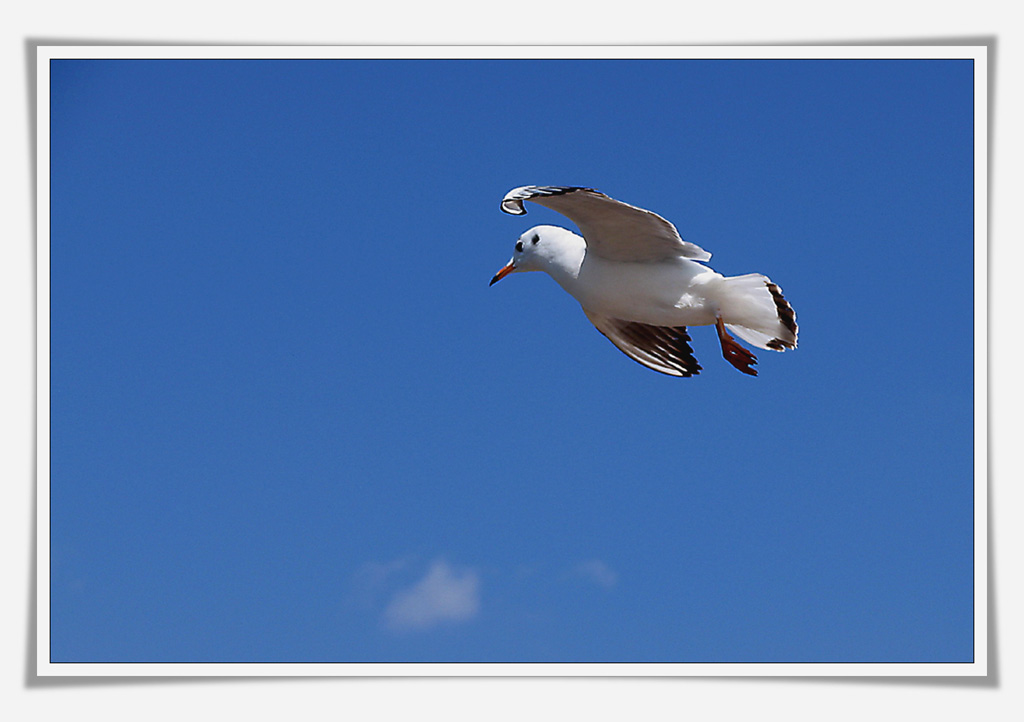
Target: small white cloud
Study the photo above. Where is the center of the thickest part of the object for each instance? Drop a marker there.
(597, 572)
(443, 595)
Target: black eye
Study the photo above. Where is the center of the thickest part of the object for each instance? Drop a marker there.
(535, 239)
(519, 246)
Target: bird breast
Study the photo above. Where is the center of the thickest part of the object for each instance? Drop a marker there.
(674, 292)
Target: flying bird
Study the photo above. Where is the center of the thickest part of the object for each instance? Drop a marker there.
(642, 285)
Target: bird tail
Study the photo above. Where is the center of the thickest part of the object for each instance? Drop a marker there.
(754, 309)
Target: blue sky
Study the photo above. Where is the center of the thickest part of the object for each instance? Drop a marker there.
(291, 422)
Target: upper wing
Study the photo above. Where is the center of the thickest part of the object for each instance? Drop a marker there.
(665, 349)
(612, 229)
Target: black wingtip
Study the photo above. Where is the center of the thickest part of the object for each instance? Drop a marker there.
(787, 317)
(512, 203)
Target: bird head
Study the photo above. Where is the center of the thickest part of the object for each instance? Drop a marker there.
(535, 251)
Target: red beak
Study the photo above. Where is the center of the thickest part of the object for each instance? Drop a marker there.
(506, 269)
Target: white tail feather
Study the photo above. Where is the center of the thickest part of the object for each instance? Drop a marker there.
(754, 309)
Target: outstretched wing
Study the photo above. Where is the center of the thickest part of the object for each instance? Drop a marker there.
(612, 229)
(665, 349)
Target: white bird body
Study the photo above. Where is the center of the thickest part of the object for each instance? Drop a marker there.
(641, 284)
(674, 292)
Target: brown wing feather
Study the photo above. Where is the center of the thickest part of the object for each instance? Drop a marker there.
(665, 349)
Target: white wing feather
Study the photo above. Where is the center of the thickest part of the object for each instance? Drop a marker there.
(612, 229)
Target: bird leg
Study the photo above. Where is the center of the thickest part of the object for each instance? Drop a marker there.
(733, 352)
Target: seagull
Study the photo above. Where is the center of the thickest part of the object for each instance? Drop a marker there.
(642, 285)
